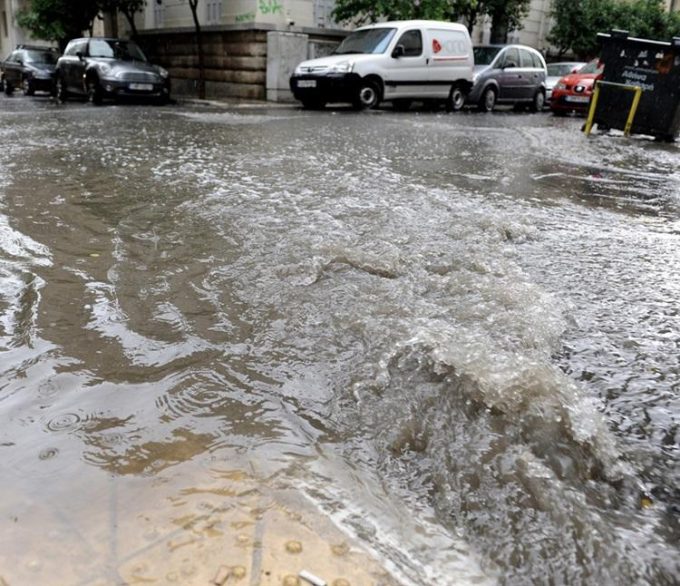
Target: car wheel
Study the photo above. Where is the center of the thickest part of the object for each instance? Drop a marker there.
(538, 102)
(27, 87)
(313, 104)
(94, 92)
(60, 89)
(9, 88)
(368, 95)
(456, 99)
(402, 104)
(488, 100)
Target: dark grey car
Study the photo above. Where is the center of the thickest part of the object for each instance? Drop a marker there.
(29, 68)
(101, 68)
(508, 74)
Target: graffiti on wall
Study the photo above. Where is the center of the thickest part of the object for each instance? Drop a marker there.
(246, 17)
(264, 7)
(270, 7)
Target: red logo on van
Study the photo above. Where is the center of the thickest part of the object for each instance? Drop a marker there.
(436, 47)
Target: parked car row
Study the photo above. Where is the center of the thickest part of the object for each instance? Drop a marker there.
(403, 61)
(96, 68)
(396, 62)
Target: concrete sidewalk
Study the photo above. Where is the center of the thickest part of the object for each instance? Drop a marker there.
(234, 103)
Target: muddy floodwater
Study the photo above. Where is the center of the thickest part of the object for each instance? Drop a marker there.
(407, 349)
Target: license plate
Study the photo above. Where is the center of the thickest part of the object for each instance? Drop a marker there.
(306, 83)
(578, 99)
(142, 87)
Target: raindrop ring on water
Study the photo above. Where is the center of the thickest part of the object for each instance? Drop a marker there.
(48, 453)
(64, 422)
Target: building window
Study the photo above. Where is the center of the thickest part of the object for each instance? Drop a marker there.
(213, 11)
(323, 13)
(158, 14)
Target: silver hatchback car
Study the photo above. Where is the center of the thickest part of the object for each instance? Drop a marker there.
(508, 74)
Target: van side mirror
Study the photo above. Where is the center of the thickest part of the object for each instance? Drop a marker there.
(398, 52)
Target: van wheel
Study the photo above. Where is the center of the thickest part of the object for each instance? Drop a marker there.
(538, 102)
(402, 104)
(488, 101)
(456, 99)
(368, 96)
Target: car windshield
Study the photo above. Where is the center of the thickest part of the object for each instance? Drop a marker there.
(47, 57)
(373, 40)
(122, 50)
(485, 55)
(595, 66)
(562, 69)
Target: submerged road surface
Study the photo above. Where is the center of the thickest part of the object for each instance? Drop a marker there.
(384, 348)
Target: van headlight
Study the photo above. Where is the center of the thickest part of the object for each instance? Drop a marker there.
(342, 67)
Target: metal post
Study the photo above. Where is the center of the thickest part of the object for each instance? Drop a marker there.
(591, 111)
(633, 110)
(596, 95)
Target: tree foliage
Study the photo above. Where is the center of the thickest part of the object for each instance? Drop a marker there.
(505, 13)
(58, 20)
(63, 20)
(577, 23)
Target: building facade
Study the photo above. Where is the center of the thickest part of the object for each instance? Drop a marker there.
(534, 31)
(310, 14)
(282, 13)
(10, 32)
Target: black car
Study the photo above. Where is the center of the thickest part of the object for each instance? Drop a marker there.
(101, 68)
(30, 68)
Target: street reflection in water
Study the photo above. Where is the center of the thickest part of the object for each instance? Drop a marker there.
(413, 347)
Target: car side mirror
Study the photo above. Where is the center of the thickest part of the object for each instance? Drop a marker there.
(80, 55)
(508, 65)
(398, 52)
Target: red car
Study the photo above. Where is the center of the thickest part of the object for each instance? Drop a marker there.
(572, 93)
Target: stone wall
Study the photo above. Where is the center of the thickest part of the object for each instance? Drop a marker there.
(240, 62)
(235, 61)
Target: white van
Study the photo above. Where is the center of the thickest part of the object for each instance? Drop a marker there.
(399, 61)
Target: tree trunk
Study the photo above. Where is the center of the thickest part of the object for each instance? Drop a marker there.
(199, 44)
(130, 17)
(499, 29)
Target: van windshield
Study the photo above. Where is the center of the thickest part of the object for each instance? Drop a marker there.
(485, 55)
(373, 40)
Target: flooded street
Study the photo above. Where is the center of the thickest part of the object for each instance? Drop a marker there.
(390, 349)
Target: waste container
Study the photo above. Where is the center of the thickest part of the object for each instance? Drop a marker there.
(639, 91)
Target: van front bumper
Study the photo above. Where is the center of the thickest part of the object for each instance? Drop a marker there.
(341, 87)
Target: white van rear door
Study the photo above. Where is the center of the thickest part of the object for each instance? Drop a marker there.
(450, 60)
